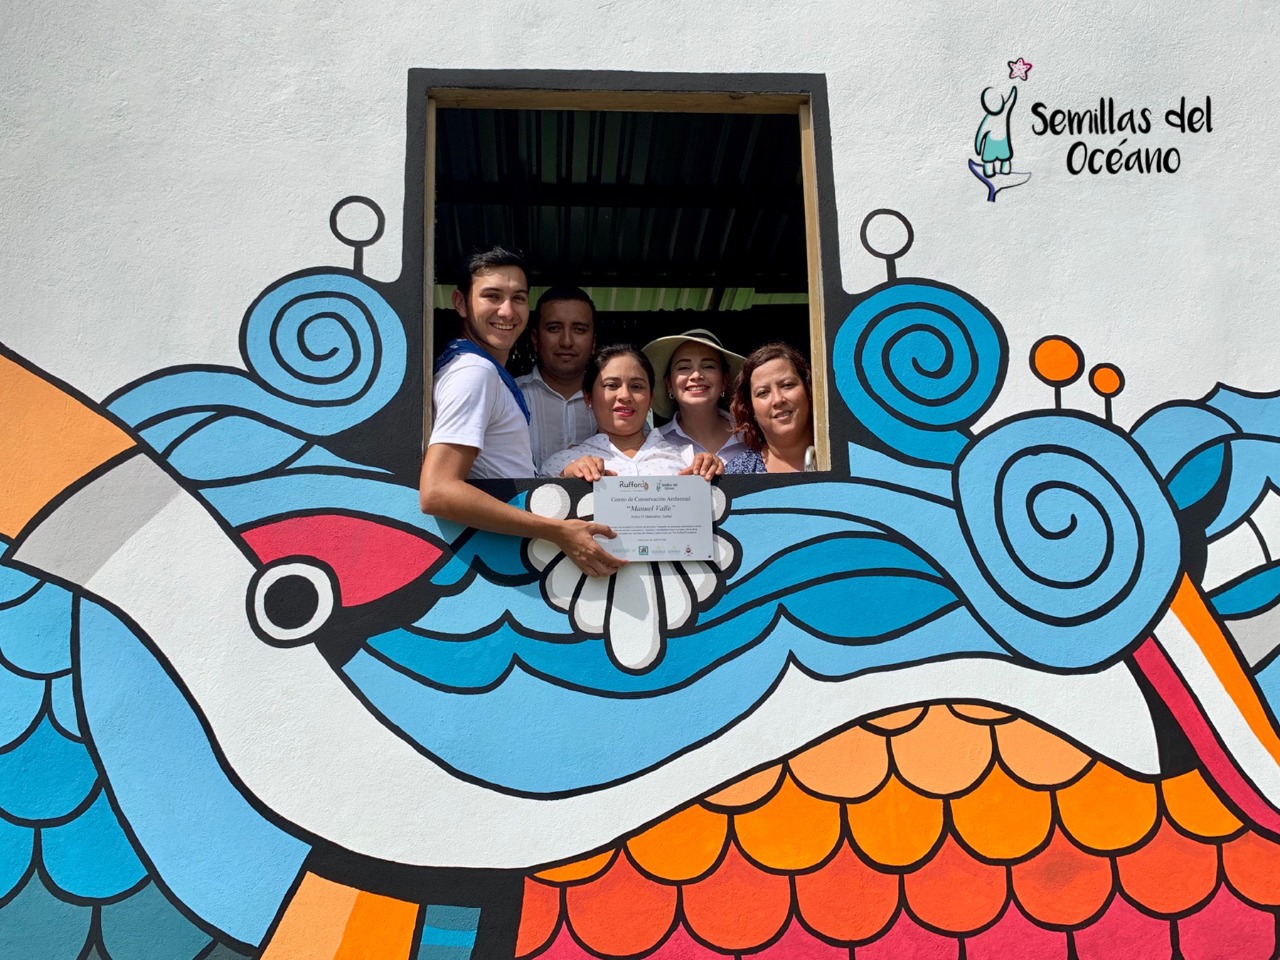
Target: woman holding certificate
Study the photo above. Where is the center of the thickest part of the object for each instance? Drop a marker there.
(618, 387)
(774, 411)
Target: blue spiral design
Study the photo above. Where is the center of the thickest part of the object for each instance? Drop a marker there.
(325, 339)
(917, 363)
(1073, 536)
(325, 351)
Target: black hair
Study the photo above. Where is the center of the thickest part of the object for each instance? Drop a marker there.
(563, 292)
(485, 260)
(601, 358)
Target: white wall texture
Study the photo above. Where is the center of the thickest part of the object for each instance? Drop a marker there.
(162, 161)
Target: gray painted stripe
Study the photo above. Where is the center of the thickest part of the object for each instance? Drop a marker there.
(450, 917)
(85, 531)
(1257, 636)
(448, 932)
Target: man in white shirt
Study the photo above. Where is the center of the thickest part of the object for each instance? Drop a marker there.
(480, 428)
(563, 336)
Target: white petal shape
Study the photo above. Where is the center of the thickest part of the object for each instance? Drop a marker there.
(542, 552)
(719, 502)
(587, 506)
(676, 602)
(725, 553)
(1266, 517)
(1231, 555)
(589, 612)
(550, 500)
(562, 581)
(701, 577)
(634, 635)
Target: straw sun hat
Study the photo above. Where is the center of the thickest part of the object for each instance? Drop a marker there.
(659, 353)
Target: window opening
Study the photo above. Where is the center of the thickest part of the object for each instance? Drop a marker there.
(670, 219)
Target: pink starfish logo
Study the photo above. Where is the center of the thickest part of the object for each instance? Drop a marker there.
(1018, 69)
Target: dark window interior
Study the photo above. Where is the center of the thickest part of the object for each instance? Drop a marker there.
(670, 220)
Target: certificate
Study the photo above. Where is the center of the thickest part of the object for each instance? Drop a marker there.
(655, 518)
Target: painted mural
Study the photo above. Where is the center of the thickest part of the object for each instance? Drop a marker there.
(1005, 692)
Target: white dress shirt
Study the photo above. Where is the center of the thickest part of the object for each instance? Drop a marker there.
(554, 422)
(732, 447)
(657, 457)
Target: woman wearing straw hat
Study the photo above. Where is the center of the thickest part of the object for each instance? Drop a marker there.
(696, 371)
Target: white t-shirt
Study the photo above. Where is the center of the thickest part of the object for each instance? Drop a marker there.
(655, 458)
(674, 433)
(472, 407)
(556, 423)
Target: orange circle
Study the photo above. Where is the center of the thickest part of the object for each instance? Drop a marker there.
(1056, 360)
(1106, 380)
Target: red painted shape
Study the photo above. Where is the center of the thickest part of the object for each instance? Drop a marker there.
(907, 939)
(370, 559)
(1062, 885)
(738, 907)
(1170, 873)
(954, 892)
(1124, 932)
(564, 947)
(539, 916)
(681, 946)
(1013, 935)
(845, 899)
(1226, 929)
(1157, 668)
(797, 943)
(1252, 865)
(621, 913)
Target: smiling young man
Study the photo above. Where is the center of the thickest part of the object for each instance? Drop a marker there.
(564, 337)
(481, 422)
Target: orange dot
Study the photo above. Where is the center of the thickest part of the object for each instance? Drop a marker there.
(1056, 360)
(1106, 380)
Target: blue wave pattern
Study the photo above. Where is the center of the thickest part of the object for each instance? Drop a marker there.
(1074, 536)
(1193, 444)
(1074, 549)
(531, 734)
(917, 363)
(1047, 541)
(324, 352)
(1223, 451)
(67, 865)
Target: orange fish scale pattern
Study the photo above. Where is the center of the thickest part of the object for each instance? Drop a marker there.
(947, 831)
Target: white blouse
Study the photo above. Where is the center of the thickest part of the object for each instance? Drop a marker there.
(657, 457)
(732, 447)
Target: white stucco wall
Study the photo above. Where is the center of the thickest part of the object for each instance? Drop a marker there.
(161, 162)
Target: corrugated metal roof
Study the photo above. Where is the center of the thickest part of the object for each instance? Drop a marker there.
(700, 203)
(633, 299)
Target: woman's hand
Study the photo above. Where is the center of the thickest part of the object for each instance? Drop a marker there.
(589, 469)
(705, 465)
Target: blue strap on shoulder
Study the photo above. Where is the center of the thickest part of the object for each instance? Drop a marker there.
(462, 345)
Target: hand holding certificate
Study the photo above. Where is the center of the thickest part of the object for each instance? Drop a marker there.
(656, 518)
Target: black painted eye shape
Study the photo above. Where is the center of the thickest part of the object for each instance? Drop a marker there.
(290, 600)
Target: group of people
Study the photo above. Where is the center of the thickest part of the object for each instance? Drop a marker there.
(585, 413)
